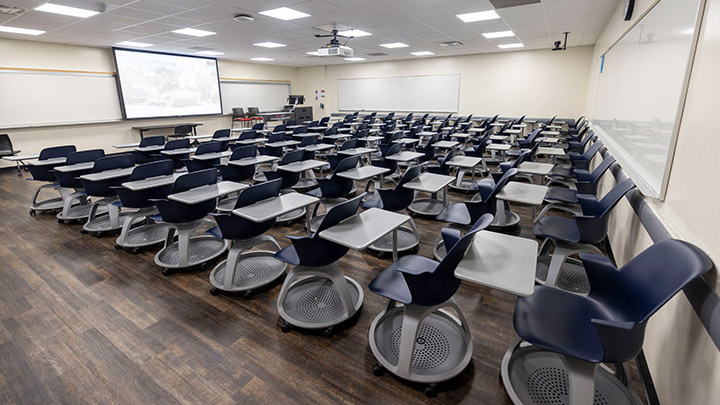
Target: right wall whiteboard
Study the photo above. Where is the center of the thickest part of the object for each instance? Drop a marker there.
(641, 91)
(435, 93)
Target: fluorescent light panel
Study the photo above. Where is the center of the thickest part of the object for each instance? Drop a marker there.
(194, 32)
(269, 44)
(313, 53)
(24, 31)
(66, 10)
(354, 33)
(511, 46)
(478, 16)
(354, 59)
(262, 59)
(394, 45)
(422, 53)
(285, 14)
(498, 34)
(134, 44)
(209, 53)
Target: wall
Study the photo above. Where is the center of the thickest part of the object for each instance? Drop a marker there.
(683, 360)
(537, 83)
(30, 54)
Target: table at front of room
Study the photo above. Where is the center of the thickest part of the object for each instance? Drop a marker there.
(143, 129)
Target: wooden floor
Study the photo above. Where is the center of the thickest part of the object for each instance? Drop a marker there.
(81, 322)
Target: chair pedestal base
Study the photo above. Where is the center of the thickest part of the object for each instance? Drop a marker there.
(50, 204)
(75, 207)
(427, 206)
(504, 218)
(318, 297)
(244, 270)
(421, 344)
(143, 235)
(407, 239)
(109, 222)
(535, 376)
(189, 251)
(553, 269)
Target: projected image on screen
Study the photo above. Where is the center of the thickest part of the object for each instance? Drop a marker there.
(162, 85)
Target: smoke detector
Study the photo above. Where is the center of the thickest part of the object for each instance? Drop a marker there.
(243, 17)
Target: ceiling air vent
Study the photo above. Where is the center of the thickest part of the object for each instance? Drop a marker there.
(11, 10)
(511, 3)
(450, 43)
(376, 54)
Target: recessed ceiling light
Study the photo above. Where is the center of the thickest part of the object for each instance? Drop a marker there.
(65, 10)
(134, 44)
(269, 44)
(209, 53)
(194, 32)
(510, 46)
(355, 59)
(422, 53)
(25, 31)
(478, 16)
(285, 13)
(354, 33)
(262, 59)
(498, 34)
(313, 53)
(394, 45)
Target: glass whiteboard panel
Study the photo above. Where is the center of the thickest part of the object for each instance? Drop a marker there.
(641, 91)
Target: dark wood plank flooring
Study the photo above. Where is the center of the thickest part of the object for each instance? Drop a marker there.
(81, 322)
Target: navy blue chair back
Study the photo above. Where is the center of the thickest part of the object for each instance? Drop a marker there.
(103, 188)
(152, 141)
(308, 140)
(140, 199)
(349, 144)
(44, 173)
(593, 224)
(176, 212)
(239, 173)
(488, 204)
(221, 133)
(177, 144)
(588, 182)
(70, 179)
(258, 127)
(400, 197)
(237, 228)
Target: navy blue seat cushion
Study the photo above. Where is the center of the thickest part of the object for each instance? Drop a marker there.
(455, 213)
(288, 255)
(557, 228)
(391, 284)
(373, 202)
(561, 194)
(561, 172)
(560, 321)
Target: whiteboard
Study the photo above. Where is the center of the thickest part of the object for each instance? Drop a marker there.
(267, 96)
(641, 91)
(437, 93)
(56, 98)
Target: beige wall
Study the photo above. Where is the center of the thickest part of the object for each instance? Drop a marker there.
(683, 360)
(536, 83)
(39, 55)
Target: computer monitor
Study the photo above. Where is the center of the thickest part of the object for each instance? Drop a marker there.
(296, 99)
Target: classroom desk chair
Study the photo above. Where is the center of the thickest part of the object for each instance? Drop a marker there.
(40, 171)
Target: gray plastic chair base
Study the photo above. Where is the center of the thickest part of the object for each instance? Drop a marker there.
(111, 220)
(465, 186)
(426, 206)
(292, 215)
(253, 270)
(318, 297)
(305, 183)
(51, 204)
(77, 212)
(144, 236)
(505, 219)
(201, 249)
(572, 276)
(406, 240)
(421, 344)
(535, 376)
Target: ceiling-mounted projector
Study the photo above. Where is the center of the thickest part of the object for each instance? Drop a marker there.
(334, 48)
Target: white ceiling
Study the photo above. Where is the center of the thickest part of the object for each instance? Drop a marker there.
(419, 23)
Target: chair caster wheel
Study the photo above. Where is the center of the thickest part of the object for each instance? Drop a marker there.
(60, 221)
(214, 291)
(328, 332)
(247, 295)
(430, 391)
(117, 247)
(84, 232)
(381, 255)
(98, 235)
(378, 370)
(203, 266)
(500, 376)
(135, 251)
(166, 272)
(412, 214)
(32, 213)
(285, 327)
